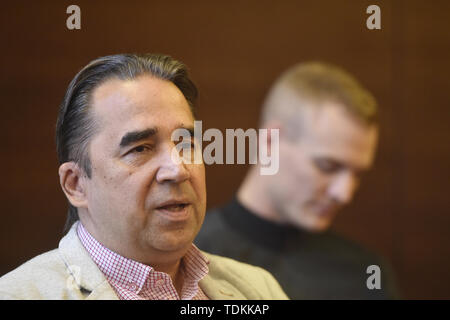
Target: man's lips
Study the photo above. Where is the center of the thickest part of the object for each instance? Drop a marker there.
(175, 210)
(172, 204)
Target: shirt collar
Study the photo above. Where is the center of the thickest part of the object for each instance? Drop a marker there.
(261, 231)
(121, 271)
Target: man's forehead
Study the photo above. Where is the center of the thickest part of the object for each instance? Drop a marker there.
(110, 98)
(138, 101)
(331, 121)
(333, 133)
(133, 93)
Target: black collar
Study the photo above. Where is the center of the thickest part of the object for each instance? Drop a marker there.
(259, 230)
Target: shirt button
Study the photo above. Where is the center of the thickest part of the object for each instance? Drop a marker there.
(132, 286)
(159, 282)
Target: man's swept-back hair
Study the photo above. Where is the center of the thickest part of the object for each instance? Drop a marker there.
(76, 125)
(316, 82)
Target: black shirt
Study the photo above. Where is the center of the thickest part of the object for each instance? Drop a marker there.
(307, 265)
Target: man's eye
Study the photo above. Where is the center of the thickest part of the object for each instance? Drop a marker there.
(141, 149)
(327, 166)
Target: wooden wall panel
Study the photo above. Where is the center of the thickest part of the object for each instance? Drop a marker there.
(235, 49)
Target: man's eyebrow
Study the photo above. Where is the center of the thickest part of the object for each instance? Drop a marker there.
(134, 136)
(190, 129)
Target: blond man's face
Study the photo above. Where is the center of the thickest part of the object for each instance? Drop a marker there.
(320, 171)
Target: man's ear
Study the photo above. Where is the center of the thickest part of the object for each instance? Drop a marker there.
(72, 181)
(269, 127)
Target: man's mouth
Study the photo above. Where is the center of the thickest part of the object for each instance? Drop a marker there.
(174, 207)
(175, 210)
(328, 210)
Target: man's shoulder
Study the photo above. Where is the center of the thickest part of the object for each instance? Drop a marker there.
(57, 274)
(48, 261)
(239, 268)
(248, 278)
(347, 248)
(32, 276)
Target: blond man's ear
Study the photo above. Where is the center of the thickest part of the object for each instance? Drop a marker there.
(269, 126)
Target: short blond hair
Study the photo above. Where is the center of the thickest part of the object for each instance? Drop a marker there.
(318, 82)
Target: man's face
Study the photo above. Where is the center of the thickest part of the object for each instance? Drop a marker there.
(320, 171)
(139, 200)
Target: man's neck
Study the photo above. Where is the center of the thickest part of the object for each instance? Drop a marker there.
(253, 195)
(170, 263)
(175, 271)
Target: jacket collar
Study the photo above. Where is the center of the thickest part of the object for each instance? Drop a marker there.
(85, 275)
(223, 283)
(219, 290)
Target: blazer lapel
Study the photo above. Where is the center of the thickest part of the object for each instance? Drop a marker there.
(84, 275)
(219, 289)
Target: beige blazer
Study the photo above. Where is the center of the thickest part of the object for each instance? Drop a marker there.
(69, 273)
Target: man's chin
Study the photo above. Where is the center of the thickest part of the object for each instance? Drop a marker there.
(173, 242)
(316, 224)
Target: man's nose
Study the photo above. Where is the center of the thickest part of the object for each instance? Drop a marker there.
(343, 187)
(172, 168)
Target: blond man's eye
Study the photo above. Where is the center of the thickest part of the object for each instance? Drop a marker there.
(327, 166)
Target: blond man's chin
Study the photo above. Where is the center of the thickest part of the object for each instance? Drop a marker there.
(315, 224)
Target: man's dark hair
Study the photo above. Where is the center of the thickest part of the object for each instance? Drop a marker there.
(76, 125)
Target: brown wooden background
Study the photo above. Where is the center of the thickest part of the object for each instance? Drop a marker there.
(235, 49)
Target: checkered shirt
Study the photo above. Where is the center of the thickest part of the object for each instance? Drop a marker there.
(136, 281)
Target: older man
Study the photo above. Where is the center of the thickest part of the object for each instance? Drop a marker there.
(328, 136)
(134, 210)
